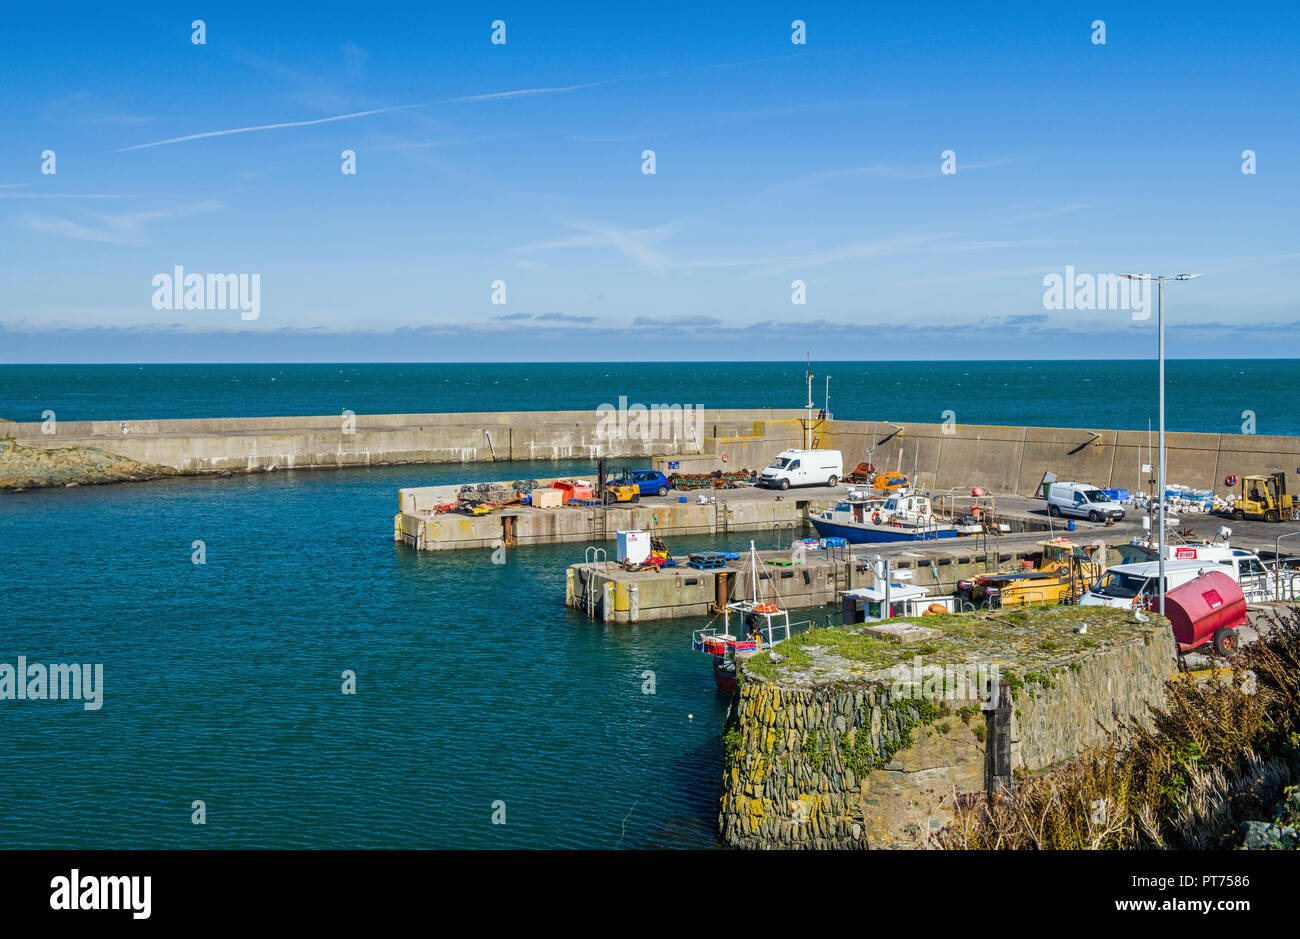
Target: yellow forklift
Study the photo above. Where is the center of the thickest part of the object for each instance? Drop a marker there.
(1264, 497)
(618, 488)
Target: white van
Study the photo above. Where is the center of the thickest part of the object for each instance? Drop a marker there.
(1126, 586)
(1082, 500)
(803, 468)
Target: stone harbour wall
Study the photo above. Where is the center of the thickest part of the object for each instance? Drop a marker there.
(850, 765)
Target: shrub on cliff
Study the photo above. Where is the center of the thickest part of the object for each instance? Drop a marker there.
(1218, 754)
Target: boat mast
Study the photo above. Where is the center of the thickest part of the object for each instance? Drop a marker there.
(807, 432)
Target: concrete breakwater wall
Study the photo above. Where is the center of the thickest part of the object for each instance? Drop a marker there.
(1002, 459)
(246, 444)
(1014, 459)
(847, 763)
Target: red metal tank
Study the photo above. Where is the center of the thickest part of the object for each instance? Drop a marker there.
(1201, 607)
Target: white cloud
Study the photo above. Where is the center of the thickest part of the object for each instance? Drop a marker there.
(634, 243)
(127, 229)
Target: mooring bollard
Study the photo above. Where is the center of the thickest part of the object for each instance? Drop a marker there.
(609, 601)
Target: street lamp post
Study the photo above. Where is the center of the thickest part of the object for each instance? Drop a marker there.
(1160, 475)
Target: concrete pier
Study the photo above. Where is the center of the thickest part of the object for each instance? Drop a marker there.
(604, 591)
(815, 581)
(609, 593)
(419, 525)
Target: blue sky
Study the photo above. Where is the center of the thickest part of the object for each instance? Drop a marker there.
(522, 162)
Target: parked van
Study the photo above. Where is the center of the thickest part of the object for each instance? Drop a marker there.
(803, 468)
(1134, 585)
(1082, 500)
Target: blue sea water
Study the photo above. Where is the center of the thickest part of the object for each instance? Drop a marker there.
(222, 681)
(1204, 395)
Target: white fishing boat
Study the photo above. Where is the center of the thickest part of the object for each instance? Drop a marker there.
(759, 624)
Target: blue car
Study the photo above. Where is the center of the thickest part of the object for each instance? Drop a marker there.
(648, 482)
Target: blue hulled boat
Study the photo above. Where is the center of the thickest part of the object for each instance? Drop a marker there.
(899, 517)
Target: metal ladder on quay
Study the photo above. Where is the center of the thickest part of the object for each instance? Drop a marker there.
(721, 518)
(593, 556)
(779, 529)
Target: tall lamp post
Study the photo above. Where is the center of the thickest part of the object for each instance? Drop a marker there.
(1160, 475)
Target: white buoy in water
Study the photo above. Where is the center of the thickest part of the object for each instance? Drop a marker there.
(690, 717)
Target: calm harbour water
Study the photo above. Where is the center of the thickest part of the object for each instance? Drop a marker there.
(222, 682)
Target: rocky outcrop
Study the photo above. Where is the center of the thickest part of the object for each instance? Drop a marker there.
(1282, 832)
(35, 468)
(843, 766)
(856, 760)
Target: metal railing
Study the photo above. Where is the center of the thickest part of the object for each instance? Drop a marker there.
(596, 555)
(945, 503)
(776, 632)
(1042, 597)
(772, 628)
(1275, 582)
(1277, 555)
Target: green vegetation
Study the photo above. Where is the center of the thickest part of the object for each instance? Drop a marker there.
(816, 749)
(730, 746)
(1034, 678)
(1039, 637)
(859, 753)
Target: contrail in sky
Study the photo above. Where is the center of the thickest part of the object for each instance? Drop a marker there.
(492, 96)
